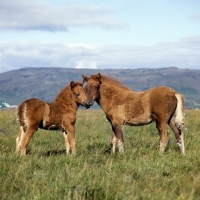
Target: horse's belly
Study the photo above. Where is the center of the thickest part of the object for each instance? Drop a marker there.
(51, 119)
(49, 125)
(138, 120)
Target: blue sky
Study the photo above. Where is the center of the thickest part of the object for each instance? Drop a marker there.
(99, 34)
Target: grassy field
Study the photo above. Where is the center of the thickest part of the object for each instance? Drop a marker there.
(140, 173)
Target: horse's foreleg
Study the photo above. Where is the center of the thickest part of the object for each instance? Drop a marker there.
(69, 137)
(113, 142)
(117, 130)
(67, 145)
(26, 137)
(162, 129)
(19, 138)
(178, 134)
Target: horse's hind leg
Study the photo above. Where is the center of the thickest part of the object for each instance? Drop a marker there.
(178, 134)
(19, 138)
(162, 129)
(113, 142)
(26, 139)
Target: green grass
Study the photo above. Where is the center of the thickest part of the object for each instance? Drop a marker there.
(140, 173)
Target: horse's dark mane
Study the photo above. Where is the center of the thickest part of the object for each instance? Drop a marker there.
(112, 81)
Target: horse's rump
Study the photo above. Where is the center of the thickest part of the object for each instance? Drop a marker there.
(166, 102)
(30, 111)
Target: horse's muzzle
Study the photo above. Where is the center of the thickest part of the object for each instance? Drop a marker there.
(85, 105)
(90, 102)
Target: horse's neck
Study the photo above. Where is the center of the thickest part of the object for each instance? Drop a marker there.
(66, 100)
(107, 94)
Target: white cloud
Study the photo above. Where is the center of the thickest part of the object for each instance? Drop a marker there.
(39, 15)
(182, 54)
(86, 64)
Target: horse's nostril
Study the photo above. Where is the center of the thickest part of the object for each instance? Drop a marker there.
(90, 102)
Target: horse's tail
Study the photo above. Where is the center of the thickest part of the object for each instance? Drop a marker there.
(179, 112)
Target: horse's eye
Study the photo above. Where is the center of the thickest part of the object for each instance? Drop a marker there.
(96, 87)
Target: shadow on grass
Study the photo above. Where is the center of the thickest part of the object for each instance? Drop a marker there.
(54, 153)
(109, 150)
(100, 147)
(3, 131)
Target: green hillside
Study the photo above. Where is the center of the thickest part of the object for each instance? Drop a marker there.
(45, 83)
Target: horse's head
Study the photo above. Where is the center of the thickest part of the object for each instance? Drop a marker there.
(79, 93)
(92, 88)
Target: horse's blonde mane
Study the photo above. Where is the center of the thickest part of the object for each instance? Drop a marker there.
(66, 91)
(111, 81)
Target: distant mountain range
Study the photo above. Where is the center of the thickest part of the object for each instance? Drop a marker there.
(44, 83)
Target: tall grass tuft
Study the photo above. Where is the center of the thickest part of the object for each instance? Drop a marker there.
(93, 173)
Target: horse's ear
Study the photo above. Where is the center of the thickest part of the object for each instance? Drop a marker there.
(99, 77)
(72, 84)
(85, 78)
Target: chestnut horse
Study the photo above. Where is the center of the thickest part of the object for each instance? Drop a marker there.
(122, 106)
(60, 114)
